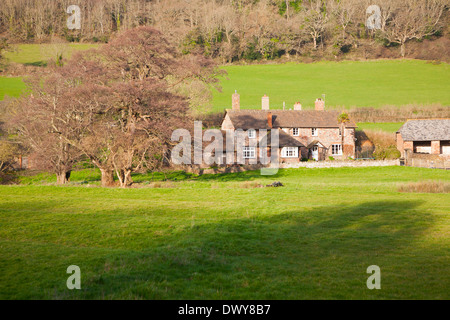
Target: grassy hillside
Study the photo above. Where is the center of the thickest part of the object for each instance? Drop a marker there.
(36, 54)
(383, 126)
(361, 84)
(32, 54)
(11, 86)
(348, 83)
(217, 237)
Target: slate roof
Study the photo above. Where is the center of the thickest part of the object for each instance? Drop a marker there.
(426, 130)
(284, 140)
(257, 119)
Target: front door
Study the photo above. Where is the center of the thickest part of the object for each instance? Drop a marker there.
(315, 153)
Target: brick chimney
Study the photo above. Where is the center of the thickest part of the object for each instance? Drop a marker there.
(269, 119)
(265, 102)
(297, 106)
(320, 104)
(235, 101)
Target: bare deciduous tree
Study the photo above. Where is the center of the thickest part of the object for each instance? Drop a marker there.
(316, 18)
(227, 29)
(44, 120)
(117, 105)
(413, 19)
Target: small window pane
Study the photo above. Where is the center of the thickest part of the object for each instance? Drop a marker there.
(289, 152)
(249, 152)
(336, 149)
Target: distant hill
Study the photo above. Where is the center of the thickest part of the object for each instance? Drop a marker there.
(348, 84)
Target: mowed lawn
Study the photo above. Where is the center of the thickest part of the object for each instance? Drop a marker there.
(216, 237)
(349, 84)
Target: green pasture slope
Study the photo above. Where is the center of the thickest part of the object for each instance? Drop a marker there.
(34, 54)
(348, 83)
(210, 237)
(381, 126)
(11, 86)
(30, 54)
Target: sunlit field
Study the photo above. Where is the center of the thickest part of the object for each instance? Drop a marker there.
(349, 84)
(180, 236)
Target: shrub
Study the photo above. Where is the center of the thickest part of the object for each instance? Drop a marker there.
(390, 152)
(385, 144)
(397, 114)
(250, 185)
(429, 186)
(162, 184)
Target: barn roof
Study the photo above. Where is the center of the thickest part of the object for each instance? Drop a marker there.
(257, 119)
(426, 130)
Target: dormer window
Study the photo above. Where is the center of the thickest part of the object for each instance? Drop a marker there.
(252, 133)
(314, 132)
(295, 132)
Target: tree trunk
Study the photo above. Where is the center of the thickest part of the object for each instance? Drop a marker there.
(287, 9)
(125, 178)
(107, 177)
(402, 49)
(63, 177)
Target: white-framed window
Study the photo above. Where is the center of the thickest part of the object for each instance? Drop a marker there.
(249, 152)
(340, 132)
(336, 149)
(252, 133)
(295, 132)
(314, 132)
(289, 152)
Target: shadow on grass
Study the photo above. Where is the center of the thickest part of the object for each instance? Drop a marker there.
(36, 64)
(187, 176)
(92, 175)
(305, 254)
(235, 176)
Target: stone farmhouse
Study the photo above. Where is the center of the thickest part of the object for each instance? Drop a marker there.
(303, 134)
(424, 137)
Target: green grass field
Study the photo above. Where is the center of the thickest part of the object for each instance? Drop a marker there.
(11, 86)
(31, 54)
(212, 237)
(382, 126)
(35, 54)
(349, 83)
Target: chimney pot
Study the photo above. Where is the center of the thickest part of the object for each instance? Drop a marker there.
(235, 101)
(297, 106)
(320, 104)
(265, 102)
